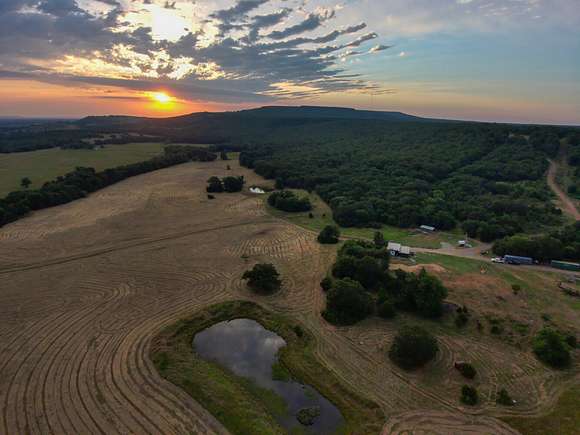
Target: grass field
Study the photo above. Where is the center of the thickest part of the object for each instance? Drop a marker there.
(322, 216)
(45, 165)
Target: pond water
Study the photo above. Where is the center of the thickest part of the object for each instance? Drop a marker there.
(249, 350)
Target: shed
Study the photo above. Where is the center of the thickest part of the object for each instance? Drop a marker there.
(427, 228)
(405, 251)
(394, 248)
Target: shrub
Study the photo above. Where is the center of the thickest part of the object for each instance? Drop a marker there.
(329, 235)
(233, 184)
(326, 284)
(288, 201)
(466, 369)
(263, 278)
(503, 398)
(551, 348)
(461, 319)
(516, 288)
(386, 310)
(413, 347)
(469, 395)
(214, 185)
(347, 303)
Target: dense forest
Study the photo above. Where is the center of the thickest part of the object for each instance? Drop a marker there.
(82, 181)
(488, 179)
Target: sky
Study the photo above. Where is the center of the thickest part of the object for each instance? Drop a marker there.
(489, 60)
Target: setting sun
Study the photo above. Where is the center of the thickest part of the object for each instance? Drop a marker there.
(161, 97)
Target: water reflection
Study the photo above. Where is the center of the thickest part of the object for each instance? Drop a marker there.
(249, 350)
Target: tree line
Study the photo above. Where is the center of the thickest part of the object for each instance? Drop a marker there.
(82, 181)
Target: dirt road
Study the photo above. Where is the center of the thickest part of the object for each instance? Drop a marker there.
(567, 204)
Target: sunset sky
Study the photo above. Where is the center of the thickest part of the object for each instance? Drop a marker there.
(493, 60)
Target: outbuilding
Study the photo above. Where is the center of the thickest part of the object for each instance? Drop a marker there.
(427, 228)
(398, 250)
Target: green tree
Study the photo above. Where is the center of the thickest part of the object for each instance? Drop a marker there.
(233, 184)
(469, 395)
(429, 295)
(503, 398)
(551, 348)
(214, 185)
(347, 303)
(379, 239)
(329, 235)
(25, 182)
(413, 347)
(263, 278)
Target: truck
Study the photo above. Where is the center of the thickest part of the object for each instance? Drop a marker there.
(516, 259)
(564, 265)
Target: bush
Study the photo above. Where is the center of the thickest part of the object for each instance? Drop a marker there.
(413, 347)
(347, 303)
(263, 278)
(503, 398)
(288, 201)
(551, 348)
(386, 310)
(329, 235)
(326, 284)
(233, 184)
(461, 319)
(466, 369)
(214, 185)
(469, 395)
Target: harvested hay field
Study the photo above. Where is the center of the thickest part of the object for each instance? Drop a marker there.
(85, 288)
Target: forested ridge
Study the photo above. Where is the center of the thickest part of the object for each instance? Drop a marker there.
(487, 178)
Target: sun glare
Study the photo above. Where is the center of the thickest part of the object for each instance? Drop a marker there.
(161, 97)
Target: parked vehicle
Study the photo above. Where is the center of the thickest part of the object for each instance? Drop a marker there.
(497, 260)
(564, 265)
(517, 260)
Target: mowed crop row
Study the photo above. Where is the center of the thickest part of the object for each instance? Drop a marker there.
(85, 287)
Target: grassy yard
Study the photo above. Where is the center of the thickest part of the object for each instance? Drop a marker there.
(240, 405)
(322, 216)
(45, 165)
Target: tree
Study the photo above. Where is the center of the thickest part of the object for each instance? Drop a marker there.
(263, 278)
(368, 272)
(329, 235)
(429, 295)
(379, 239)
(386, 309)
(25, 182)
(413, 347)
(551, 348)
(466, 369)
(469, 395)
(326, 283)
(214, 185)
(233, 184)
(347, 303)
(503, 398)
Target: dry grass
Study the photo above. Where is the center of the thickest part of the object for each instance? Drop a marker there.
(86, 286)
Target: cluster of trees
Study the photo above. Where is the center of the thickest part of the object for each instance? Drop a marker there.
(82, 181)
(561, 244)
(263, 279)
(485, 178)
(553, 348)
(40, 137)
(226, 184)
(361, 282)
(288, 201)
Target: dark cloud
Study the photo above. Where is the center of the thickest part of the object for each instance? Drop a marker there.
(241, 64)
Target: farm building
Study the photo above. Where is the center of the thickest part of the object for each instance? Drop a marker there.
(398, 250)
(427, 228)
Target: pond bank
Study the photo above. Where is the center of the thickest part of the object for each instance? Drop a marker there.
(242, 406)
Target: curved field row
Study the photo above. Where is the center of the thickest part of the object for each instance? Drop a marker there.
(80, 304)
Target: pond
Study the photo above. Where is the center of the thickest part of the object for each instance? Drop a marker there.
(249, 350)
